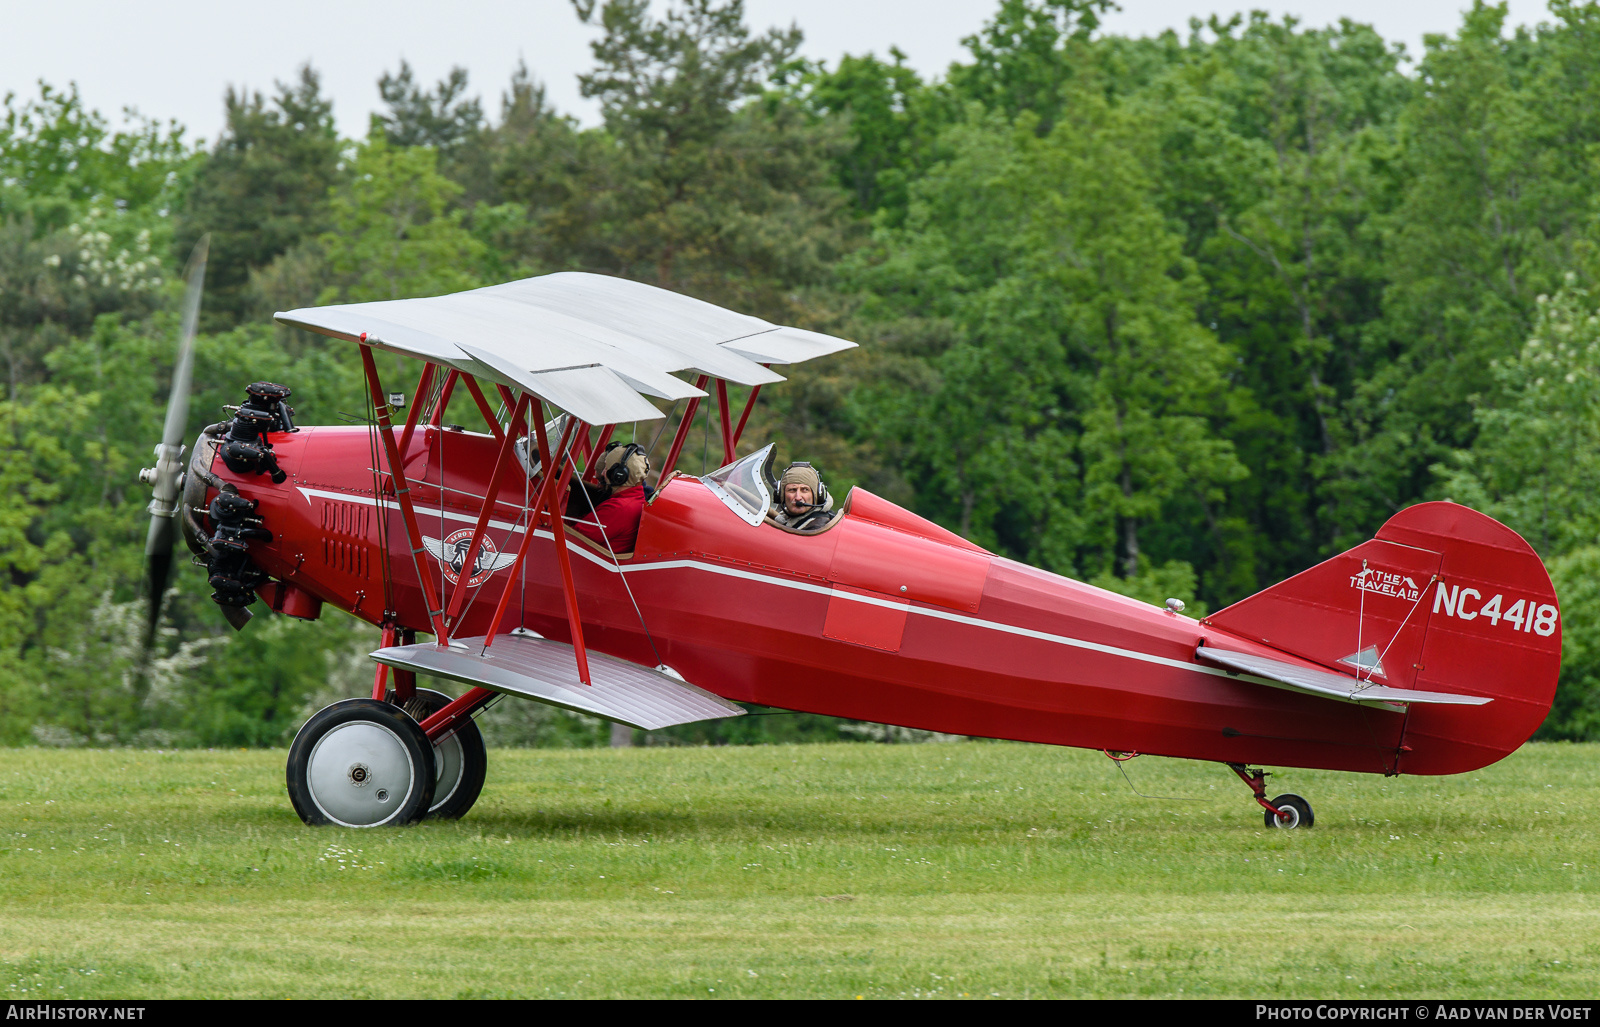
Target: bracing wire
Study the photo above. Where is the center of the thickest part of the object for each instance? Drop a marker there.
(1142, 795)
(533, 524)
(435, 394)
(1423, 594)
(650, 451)
(373, 449)
(525, 514)
(528, 528)
(1361, 615)
(618, 565)
(443, 602)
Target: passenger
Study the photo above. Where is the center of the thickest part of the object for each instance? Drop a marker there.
(803, 500)
(616, 502)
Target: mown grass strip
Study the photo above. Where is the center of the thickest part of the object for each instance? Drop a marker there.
(966, 869)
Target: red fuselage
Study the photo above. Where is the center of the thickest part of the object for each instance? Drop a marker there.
(883, 617)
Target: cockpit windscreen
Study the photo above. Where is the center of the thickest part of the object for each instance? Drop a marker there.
(745, 485)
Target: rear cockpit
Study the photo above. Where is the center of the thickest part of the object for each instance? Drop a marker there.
(746, 486)
(750, 489)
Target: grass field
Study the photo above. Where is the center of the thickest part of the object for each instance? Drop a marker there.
(938, 870)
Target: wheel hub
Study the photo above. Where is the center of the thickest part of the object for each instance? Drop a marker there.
(355, 772)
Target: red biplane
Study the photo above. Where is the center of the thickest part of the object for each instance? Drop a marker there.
(1432, 649)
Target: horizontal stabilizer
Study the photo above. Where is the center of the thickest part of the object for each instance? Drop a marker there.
(547, 671)
(1326, 683)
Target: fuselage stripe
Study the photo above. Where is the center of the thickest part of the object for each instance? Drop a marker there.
(712, 568)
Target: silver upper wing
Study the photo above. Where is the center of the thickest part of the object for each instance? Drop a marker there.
(592, 345)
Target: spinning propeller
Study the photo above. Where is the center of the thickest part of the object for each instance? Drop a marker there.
(168, 471)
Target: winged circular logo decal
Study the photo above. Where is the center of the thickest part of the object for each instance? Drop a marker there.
(452, 556)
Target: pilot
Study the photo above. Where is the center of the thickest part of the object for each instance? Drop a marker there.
(803, 500)
(616, 502)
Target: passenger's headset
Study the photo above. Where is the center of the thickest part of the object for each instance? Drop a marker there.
(617, 473)
(820, 500)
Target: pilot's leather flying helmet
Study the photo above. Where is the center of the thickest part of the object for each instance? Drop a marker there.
(623, 465)
(802, 473)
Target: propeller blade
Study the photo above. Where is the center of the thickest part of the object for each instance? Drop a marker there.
(169, 467)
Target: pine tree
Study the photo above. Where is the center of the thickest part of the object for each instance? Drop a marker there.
(263, 189)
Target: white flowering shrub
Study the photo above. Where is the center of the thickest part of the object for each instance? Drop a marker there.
(103, 263)
(100, 687)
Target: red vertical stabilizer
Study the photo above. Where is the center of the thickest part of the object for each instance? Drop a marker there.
(1443, 599)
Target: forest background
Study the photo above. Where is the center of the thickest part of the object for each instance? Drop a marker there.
(1179, 316)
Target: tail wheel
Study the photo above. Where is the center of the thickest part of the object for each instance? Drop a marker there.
(460, 760)
(361, 763)
(1296, 812)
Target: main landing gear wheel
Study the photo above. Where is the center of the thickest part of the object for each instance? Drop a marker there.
(1296, 813)
(460, 760)
(361, 763)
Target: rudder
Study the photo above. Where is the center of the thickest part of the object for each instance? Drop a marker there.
(1443, 599)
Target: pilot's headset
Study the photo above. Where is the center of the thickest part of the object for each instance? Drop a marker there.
(618, 473)
(822, 500)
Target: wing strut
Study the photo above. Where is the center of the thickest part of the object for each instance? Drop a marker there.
(443, 401)
(546, 490)
(591, 469)
(442, 722)
(502, 462)
(380, 678)
(682, 435)
(439, 724)
(749, 405)
(727, 422)
(405, 681)
(580, 447)
(484, 408)
(729, 432)
(402, 492)
(558, 528)
(423, 383)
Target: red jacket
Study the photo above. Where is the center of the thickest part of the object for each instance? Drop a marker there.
(620, 514)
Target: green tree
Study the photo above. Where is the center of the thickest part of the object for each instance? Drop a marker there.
(893, 117)
(263, 189)
(1575, 714)
(1496, 205)
(58, 156)
(83, 222)
(392, 233)
(445, 119)
(1279, 157)
(1535, 462)
(722, 193)
(1077, 398)
(1024, 57)
(546, 174)
(1535, 465)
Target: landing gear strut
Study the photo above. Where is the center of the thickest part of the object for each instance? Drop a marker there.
(460, 760)
(1286, 812)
